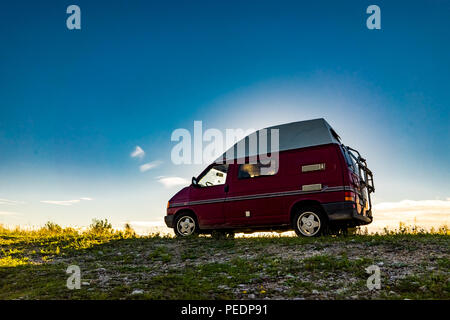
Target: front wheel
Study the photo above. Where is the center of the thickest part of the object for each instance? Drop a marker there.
(185, 225)
(309, 222)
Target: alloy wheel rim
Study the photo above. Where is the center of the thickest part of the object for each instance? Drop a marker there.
(308, 223)
(186, 226)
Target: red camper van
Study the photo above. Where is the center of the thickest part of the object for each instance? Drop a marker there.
(319, 186)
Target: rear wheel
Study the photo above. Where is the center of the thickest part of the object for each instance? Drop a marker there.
(309, 222)
(185, 225)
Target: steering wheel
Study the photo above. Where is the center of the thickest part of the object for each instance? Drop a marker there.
(208, 183)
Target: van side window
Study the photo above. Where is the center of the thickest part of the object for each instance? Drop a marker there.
(215, 176)
(255, 170)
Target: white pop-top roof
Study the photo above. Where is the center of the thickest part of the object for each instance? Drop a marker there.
(292, 135)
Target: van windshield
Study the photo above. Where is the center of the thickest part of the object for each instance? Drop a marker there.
(216, 175)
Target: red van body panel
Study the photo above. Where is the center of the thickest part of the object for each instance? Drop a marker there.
(210, 205)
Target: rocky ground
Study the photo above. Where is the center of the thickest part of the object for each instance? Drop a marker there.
(411, 267)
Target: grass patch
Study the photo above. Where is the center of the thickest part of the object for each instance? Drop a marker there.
(339, 263)
(160, 253)
(425, 286)
(120, 264)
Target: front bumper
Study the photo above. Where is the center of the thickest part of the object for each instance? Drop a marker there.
(169, 221)
(342, 211)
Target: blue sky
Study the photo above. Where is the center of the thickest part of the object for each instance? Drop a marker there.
(74, 104)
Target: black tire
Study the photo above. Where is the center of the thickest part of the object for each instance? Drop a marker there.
(185, 225)
(309, 222)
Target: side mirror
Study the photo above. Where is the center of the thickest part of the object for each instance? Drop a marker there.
(194, 181)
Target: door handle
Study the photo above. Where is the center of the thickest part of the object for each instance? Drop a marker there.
(226, 188)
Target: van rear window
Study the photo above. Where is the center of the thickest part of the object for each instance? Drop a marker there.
(350, 162)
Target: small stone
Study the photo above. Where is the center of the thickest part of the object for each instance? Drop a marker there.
(85, 283)
(380, 264)
(315, 291)
(137, 291)
(223, 287)
(251, 296)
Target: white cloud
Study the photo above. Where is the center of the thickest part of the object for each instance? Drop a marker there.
(10, 202)
(61, 202)
(138, 153)
(66, 202)
(415, 206)
(150, 165)
(9, 213)
(169, 182)
(424, 213)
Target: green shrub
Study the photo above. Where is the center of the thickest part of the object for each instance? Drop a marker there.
(128, 230)
(100, 226)
(52, 227)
